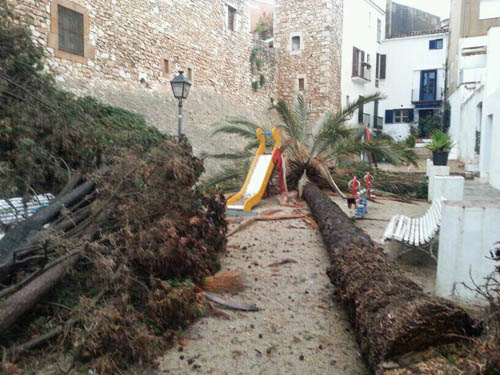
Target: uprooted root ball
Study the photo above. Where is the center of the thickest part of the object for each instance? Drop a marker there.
(150, 238)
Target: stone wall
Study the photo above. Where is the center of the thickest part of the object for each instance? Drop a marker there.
(129, 40)
(318, 23)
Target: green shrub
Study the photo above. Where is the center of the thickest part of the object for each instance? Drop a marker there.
(440, 142)
(255, 85)
(411, 141)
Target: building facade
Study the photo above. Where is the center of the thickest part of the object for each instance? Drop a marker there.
(308, 44)
(415, 80)
(363, 66)
(134, 43)
(474, 86)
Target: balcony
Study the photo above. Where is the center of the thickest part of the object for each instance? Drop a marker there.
(366, 119)
(364, 74)
(379, 122)
(418, 98)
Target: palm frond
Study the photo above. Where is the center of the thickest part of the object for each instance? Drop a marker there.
(228, 155)
(238, 126)
(229, 179)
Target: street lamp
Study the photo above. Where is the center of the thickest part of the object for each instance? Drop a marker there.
(180, 87)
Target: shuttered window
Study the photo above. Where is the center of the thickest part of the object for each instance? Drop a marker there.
(355, 62)
(361, 111)
(383, 63)
(381, 66)
(70, 31)
(389, 116)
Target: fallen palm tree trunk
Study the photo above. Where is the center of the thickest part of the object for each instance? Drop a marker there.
(391, 314)
(24, 299)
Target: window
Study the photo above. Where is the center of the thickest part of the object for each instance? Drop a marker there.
(302, 84)
(361, 112)
(69, 32)
(436, 44)
(190, 74)
(399, 116)
(296, 43)
(381, 66)
(361, 67)
(231, 18)
(489, 9)
(379, 30)
(166, 66)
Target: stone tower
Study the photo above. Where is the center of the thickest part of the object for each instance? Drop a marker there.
(308, 43)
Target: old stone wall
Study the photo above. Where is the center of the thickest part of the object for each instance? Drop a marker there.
(316, 67)
(129, 41)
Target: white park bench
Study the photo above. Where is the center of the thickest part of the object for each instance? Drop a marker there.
(418, 232)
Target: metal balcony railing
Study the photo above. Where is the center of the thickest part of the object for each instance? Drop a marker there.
(364, 73)
(379, 122)
(419, 98)
(366, 119)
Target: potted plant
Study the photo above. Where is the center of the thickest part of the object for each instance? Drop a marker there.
(440, 146)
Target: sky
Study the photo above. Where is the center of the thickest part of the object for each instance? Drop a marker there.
(440, 8)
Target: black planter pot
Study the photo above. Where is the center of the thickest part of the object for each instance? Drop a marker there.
(440, 157)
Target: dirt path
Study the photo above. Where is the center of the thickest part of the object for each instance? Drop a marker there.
(300, 329)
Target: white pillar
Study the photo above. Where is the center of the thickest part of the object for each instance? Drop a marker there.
(435, 171)
(430, 164)
(469, 231)
(449, 187)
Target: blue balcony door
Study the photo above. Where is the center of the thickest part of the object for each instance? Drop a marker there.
(428, 85)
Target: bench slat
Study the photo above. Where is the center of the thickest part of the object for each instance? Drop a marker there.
(391, 228)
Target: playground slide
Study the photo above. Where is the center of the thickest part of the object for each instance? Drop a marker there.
(258, 177)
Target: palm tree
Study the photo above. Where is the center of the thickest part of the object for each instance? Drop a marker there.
(311, 150)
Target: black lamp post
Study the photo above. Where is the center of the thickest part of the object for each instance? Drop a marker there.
(180, 86)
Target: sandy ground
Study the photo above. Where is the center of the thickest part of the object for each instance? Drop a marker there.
(300, 329)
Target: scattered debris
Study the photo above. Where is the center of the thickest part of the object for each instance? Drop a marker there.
(283, 262)
(224, 282)
(231, 305)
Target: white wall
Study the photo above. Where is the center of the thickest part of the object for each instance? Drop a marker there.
(464, 105)
(490, 135)
(406, 57)
(468, 233)
(360, 31)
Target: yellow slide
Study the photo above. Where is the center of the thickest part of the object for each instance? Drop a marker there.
(258, 177)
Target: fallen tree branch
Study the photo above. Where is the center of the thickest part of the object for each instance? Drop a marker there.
(24, 299)
(230, 305)
(25, 233)
(253, 220)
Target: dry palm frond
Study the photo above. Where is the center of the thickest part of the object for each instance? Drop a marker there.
(224, 282)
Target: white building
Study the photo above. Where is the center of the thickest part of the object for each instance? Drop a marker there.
(363, 32)
(475, 106)
(474, 86)
(415, 80)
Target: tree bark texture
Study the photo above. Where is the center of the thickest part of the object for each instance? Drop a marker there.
(23, 300)
(391, 315)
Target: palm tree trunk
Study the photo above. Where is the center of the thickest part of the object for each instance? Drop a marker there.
(391, 314)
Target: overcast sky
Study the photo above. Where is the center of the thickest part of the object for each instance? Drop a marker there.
(440, 8)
